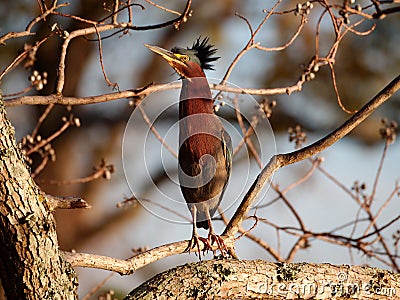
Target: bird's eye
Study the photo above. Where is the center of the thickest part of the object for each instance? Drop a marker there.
(184, 58)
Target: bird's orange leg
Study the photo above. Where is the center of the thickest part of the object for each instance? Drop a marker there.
(196, 239)
(213, 237)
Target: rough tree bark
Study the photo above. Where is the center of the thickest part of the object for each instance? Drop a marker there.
(258, 279)
(31, 265)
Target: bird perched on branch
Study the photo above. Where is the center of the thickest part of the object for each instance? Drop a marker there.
(205, 148)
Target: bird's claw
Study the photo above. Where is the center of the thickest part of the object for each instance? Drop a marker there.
(195, 242)
(214, 238)
(208, 243)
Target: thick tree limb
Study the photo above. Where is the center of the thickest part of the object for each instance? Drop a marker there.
(238, 279)
(30, 262)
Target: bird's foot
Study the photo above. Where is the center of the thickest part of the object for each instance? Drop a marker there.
(195, 243)
(214, 238)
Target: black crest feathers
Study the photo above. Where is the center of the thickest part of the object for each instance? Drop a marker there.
(205, 52)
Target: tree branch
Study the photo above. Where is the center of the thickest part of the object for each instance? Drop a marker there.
(280, 160)
(258, 279)
(141, 93)
(56, 202)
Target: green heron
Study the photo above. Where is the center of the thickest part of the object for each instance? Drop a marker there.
(205, 148)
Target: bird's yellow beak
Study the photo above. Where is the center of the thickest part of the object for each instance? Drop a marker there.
(169, 56)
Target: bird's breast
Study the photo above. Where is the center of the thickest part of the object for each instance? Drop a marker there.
(202, 159)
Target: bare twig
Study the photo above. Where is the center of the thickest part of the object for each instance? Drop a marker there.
(163, 8)
(24, 91)
(49, 139)
(250, 44)
(41, 119)
(263, 244)
(103, 171)
(290, 42)
(98, 286)
(134, 200)
(155, 132)
(339, 101)
(114, 85)
(384, 205)
(314, 164)
(378, 172)
(66, 202)
(40, 167)
(21, 57)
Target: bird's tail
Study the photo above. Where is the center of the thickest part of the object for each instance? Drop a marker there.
(201, 218)
(202, 224)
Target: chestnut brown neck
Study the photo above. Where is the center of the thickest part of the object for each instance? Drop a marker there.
(195, 95)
